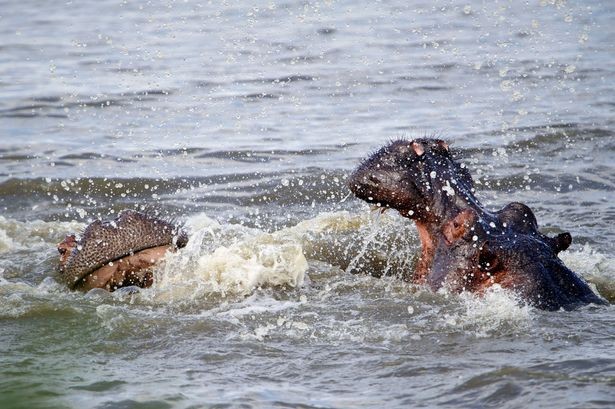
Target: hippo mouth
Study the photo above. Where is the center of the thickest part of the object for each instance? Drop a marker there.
(118, 253)
(465, 247)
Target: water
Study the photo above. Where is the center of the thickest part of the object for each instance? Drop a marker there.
(244, 122)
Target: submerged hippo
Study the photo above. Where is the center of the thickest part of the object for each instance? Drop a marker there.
(118, 253)
(466, 247)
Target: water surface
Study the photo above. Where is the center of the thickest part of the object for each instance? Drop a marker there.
(244, 122)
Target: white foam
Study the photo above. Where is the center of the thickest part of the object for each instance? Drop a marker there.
(6, 244)
(255, 305)
(32, 235)
(231, 260)
(16, 297)
(13, 305)
(496, 311)
(244, 266)
(586, 260)
(234, 260)
(597, 268)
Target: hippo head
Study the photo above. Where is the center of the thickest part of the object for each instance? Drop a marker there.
(418, 178)
(506, 248)
(117, 253)
(465, 247)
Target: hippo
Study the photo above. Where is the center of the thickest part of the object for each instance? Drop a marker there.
(464, 246)
(118, 253)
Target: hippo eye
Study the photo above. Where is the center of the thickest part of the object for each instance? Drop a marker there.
(456, 225)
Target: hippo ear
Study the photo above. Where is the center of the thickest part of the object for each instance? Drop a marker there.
(443, 145)
(487, 259)
(562, 242)
(418, 148)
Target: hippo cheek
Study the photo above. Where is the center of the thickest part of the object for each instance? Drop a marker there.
(406, 201)
(397, 199)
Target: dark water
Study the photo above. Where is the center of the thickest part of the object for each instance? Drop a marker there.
(244, 122)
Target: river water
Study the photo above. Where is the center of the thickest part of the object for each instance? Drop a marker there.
(243, 121)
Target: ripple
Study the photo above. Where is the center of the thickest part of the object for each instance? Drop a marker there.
(102, 386)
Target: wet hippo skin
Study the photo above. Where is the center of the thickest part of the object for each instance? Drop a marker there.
(465, 247)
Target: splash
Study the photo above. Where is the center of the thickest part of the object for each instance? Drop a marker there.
(5, 242)
(32, 235)
(266, 259)
(230, 260)
(497, 312)
(595, 267)
(234, 260)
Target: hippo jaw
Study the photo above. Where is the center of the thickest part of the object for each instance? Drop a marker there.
(119, 252)
(465, 247)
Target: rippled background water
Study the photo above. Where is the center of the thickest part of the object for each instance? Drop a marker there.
(243, 121)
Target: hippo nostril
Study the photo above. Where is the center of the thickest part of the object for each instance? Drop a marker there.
(373, 178)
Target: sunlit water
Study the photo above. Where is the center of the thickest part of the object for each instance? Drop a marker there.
(244, 123)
